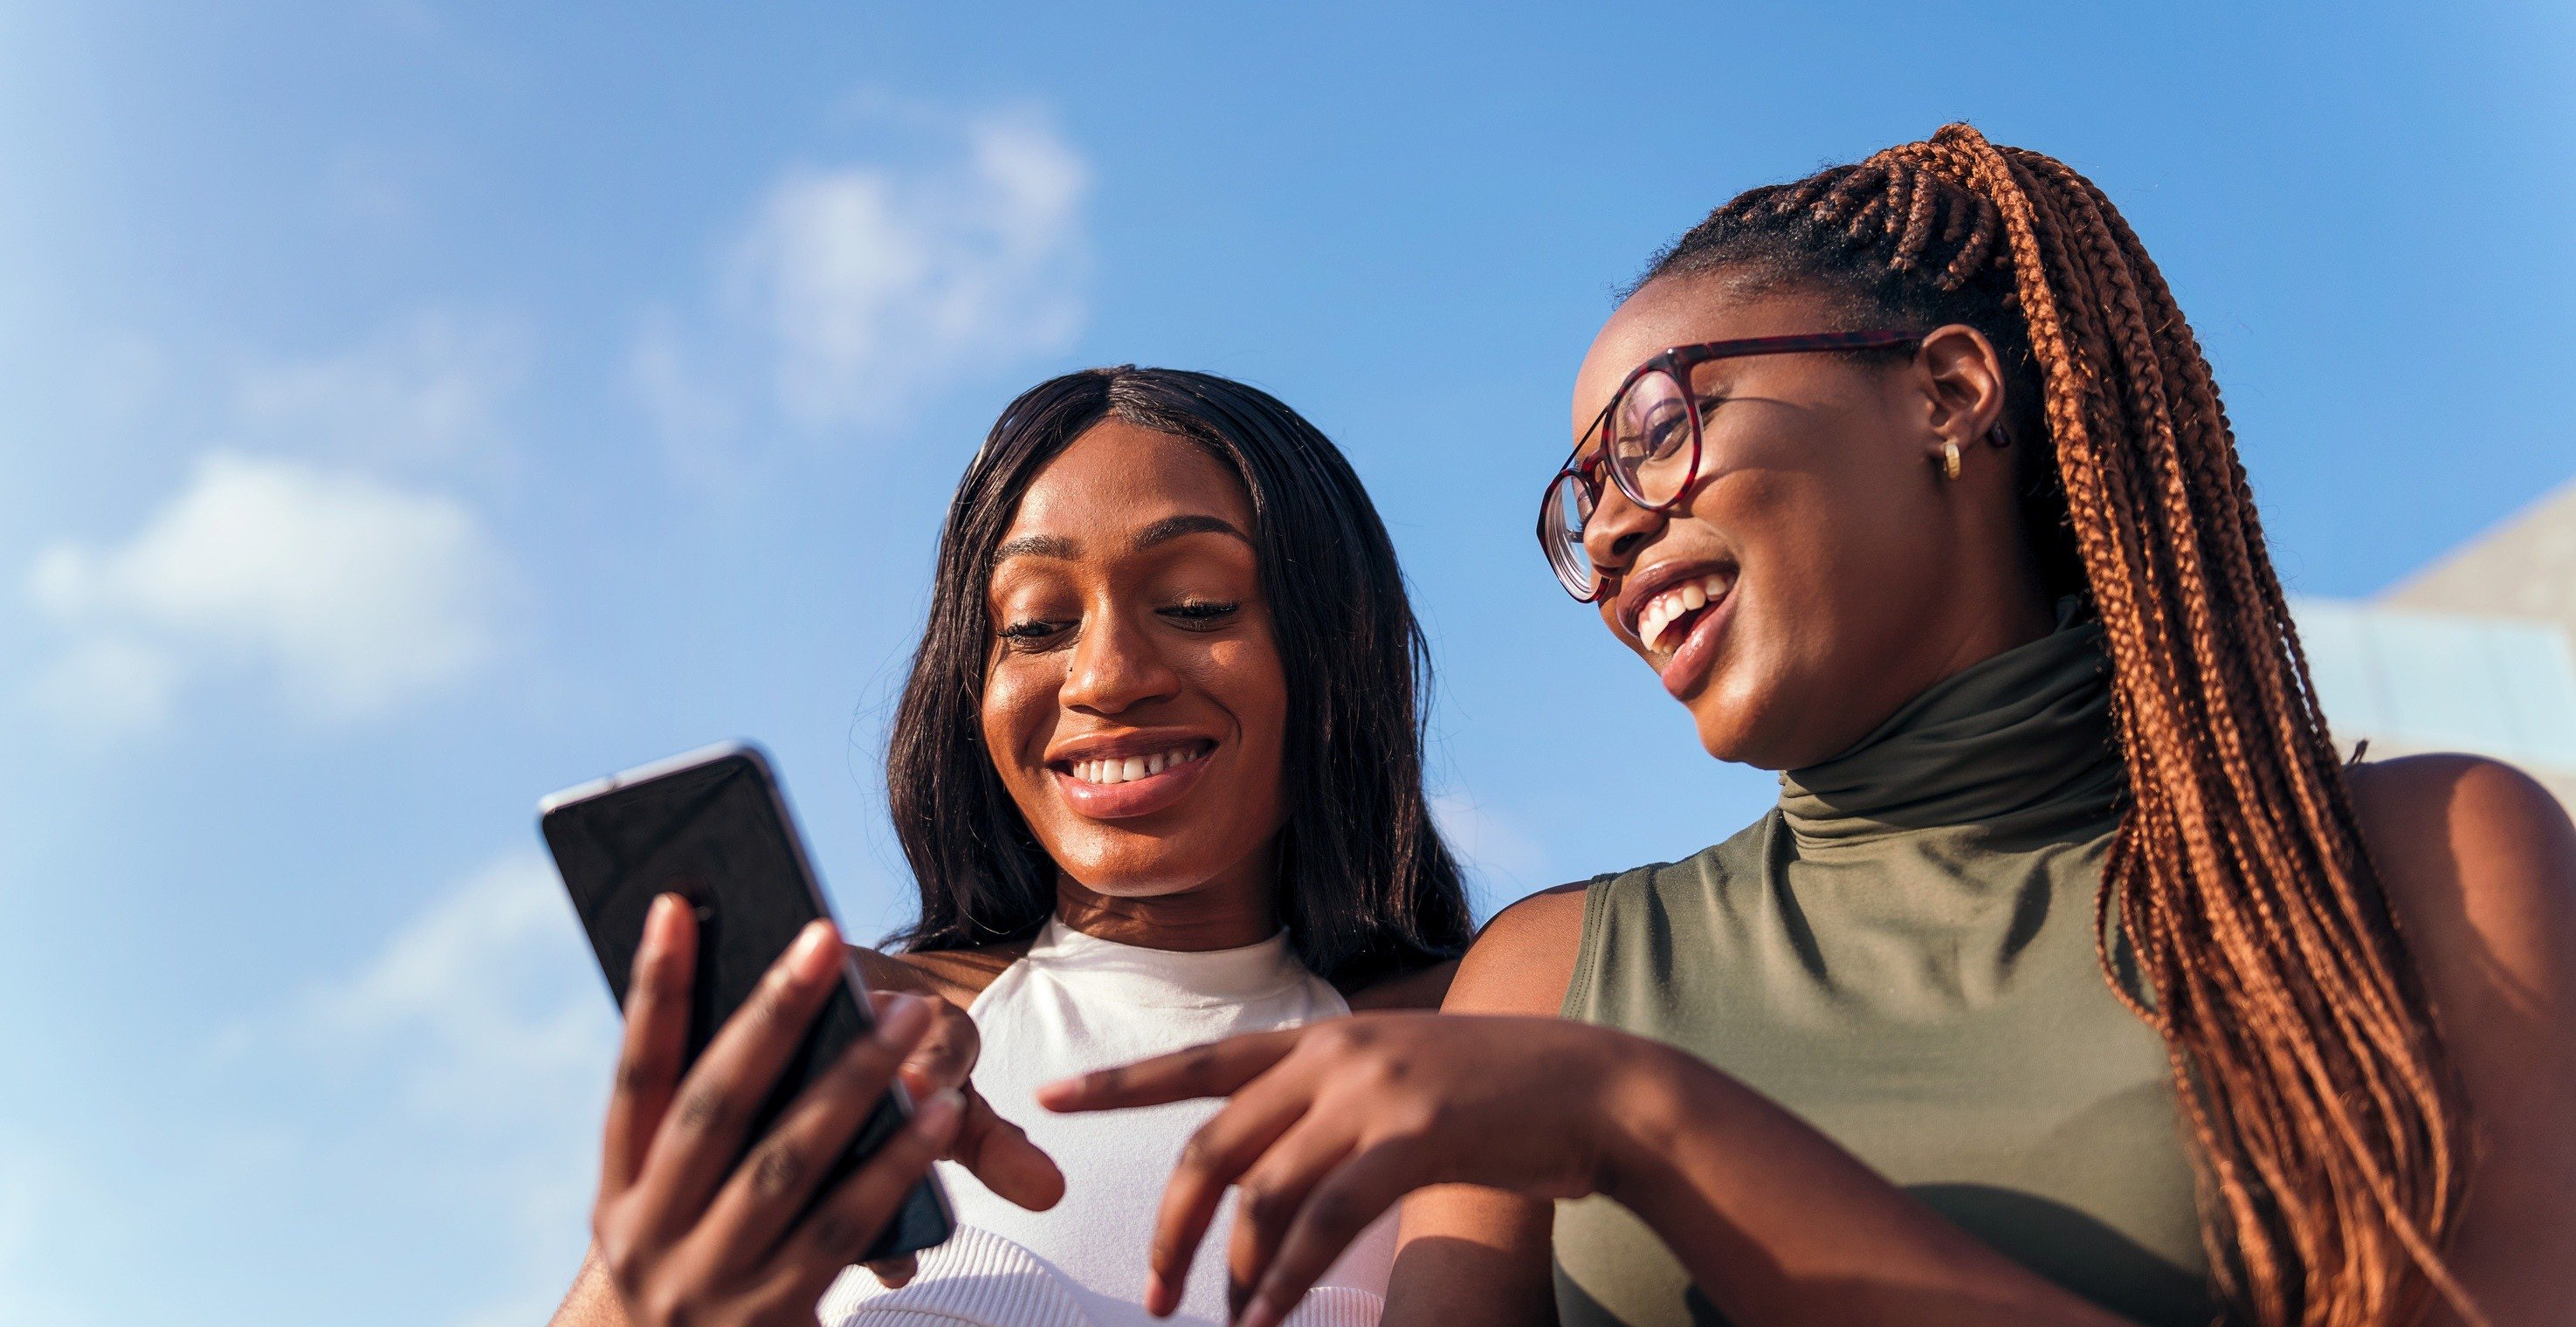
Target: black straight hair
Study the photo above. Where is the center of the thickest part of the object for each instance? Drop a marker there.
(1366, 888)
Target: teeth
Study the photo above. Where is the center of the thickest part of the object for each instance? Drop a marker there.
(1661, 611)
(1126, 769)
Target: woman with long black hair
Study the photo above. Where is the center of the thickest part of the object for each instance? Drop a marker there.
(2076, 977)
(1158, 773)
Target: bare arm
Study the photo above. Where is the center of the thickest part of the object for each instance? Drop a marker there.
(2479, 864)
(1469, 1254)
(1413, 990)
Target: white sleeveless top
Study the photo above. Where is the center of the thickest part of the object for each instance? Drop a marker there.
(1074, 1004)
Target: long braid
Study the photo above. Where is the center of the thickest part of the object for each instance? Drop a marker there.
(2330, 1134)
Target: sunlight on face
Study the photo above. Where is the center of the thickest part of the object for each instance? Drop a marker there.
(1797, 594)
(1135, 702)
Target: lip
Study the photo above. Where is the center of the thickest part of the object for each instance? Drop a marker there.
(1638, 590)
(1135, 797)
(1692, 660)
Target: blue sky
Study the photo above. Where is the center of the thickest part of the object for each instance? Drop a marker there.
(407, 409)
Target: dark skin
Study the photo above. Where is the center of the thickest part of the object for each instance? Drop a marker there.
(1862, 577)
(1128, 619)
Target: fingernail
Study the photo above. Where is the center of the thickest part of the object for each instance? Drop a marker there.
(657, 921)
(938, 1112)
(811, 957)
(905, 1016)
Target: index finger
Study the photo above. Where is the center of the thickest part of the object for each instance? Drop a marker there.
(1216, 1069)
(657, 1032)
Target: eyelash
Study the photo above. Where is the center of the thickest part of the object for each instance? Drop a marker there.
(1190, 615)
(1202, 613)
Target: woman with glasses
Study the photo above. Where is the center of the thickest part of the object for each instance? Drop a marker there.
(1158, 775)
(2075, 978)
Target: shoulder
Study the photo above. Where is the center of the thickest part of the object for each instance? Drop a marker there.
(2479, 865)
(1523, 960)
(2465, 840)
(956, 975)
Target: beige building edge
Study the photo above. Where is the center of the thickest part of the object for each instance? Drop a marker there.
(2523, 570)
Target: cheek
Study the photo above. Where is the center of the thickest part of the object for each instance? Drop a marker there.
(1018, 713)
(1245, 677)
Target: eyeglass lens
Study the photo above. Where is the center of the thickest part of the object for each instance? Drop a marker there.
(1561, 522)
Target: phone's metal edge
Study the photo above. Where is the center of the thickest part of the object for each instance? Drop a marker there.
(554, 801)
(850, 970)
(744, 747)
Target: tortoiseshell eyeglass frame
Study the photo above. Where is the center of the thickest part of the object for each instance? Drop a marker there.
(1675, 363)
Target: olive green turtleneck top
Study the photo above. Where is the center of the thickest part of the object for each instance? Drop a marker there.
(1902, 952)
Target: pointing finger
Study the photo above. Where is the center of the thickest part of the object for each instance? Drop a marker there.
(1214, 1070)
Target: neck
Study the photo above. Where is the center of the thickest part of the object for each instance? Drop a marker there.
(2016, 619)
(1233, 910)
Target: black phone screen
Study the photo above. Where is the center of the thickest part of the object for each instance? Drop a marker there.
(715, 830)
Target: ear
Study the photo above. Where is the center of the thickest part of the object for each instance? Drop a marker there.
(1964, 385)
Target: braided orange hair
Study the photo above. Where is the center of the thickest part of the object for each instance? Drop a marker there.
(2331, 1136)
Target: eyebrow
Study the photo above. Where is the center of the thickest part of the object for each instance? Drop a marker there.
(1037, 546)
(1163, 531)
(1173, 527)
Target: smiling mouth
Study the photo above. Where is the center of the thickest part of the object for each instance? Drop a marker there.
(1110, 771)
(1666, 620)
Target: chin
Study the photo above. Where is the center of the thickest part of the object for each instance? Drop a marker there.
(1124, 876)
(1739, 723)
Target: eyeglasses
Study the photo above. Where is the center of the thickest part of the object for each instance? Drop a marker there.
(1648, 438)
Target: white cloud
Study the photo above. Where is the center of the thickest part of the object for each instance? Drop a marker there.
(427, 390)
(855, 290)
(109, 686)
(355, 593)
(478, 1038)
(483, 1002)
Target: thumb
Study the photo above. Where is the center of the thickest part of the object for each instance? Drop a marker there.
(1000, 1154)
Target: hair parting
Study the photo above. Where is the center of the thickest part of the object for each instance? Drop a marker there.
(2330, 1131)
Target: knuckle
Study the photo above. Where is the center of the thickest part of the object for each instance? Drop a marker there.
(641, 1074)
(833, 1232)
(1263, 1205)
(705, 1110)
(1337, 1210)
(1198, 1064)
(781, 1169)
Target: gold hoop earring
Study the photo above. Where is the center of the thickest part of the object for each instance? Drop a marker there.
(1950, 460)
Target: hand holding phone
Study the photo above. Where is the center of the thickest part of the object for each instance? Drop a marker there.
(686, 1234)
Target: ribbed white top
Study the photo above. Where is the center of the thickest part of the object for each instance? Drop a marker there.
(1074, 1004)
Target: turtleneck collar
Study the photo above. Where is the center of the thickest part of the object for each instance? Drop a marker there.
(2015, 747)
(1165, 978)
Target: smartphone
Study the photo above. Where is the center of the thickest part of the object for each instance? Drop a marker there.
(713, 827)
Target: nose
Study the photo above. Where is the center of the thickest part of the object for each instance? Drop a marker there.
(1618, 531)
(1115, 666)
